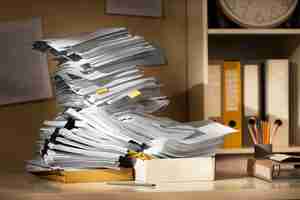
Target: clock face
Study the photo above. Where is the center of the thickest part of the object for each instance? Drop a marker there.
(258, 13)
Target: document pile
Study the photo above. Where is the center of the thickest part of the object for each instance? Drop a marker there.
(107, 103)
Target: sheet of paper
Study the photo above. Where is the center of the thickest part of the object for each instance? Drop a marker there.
(216, 129)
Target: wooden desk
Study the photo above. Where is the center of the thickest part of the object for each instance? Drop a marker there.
(25, 186)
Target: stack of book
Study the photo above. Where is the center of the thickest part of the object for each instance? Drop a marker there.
(107, 104)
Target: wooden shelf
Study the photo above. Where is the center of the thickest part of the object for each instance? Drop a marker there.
(241, 31)
(250, 150)
(222, 151)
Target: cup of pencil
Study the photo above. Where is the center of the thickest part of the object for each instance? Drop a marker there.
(262, 133)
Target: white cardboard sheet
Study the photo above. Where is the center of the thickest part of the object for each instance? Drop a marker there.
(24, 72)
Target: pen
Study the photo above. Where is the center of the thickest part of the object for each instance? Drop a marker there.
(277, 124)
(252, 122)
(124, 183)
(265, 132)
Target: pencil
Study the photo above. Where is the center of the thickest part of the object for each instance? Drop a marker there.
(269, 132)
(270, 128)
(263, 132)
(258, 128)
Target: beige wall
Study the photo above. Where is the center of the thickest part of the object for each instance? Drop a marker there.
(20, 123)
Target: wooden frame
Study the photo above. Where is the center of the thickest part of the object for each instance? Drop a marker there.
(145, 8)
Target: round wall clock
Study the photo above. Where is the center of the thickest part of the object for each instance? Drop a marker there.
(258, 13)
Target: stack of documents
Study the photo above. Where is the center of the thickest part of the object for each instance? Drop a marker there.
(107, 104)
(95, 138)
(166, 138)
(102, 68)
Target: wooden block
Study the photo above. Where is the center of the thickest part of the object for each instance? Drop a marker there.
(262, 169)
(175, 170)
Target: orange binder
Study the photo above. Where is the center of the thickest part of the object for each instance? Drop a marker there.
(232, 102)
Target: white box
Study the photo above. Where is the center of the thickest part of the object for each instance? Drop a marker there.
(175, 170)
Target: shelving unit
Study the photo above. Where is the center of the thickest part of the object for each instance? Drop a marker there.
(250, 150)
(220, 31)
(210, 44)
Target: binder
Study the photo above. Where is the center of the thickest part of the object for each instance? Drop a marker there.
(88, 175)
(277, 97)
(213, 93)
(251, 97)
(232, 102)
(294, 107)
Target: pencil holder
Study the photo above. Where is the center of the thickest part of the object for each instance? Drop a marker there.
(262, 150)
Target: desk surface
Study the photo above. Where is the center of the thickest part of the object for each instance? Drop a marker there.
(26, 186)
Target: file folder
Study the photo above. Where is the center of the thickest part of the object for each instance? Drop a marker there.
(277, 98)
(232, 102)
(213, 95)
(251, 97)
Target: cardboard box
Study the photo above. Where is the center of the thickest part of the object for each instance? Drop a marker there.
(175, 170)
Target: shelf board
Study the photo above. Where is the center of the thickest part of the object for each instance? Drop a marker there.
(250, 150)
(222, 151)
(243, 31)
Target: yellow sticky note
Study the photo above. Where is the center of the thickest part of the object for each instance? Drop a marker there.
(134, 94)
(102, 90)
(139, 155)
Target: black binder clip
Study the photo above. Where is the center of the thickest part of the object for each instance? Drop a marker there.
(45, 148)
(41, 46)
(70, 124)
(57, 53)
(125, 162)
(61, 59)
(52, 139)
(137, 147)
(75, 57)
